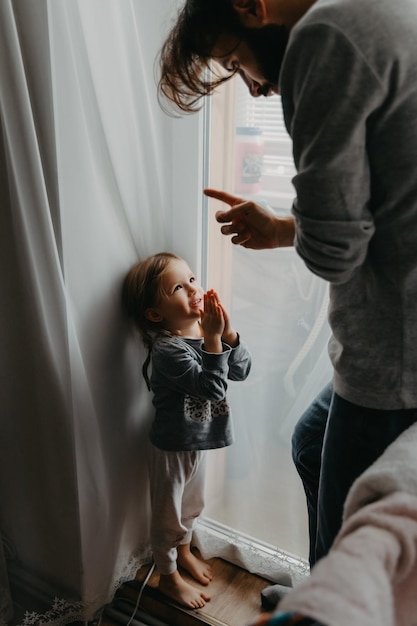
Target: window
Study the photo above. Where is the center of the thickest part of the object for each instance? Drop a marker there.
(280, 310)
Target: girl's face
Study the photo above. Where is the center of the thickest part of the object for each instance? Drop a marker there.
(182, 298)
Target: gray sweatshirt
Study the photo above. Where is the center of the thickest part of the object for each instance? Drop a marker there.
(349, 94)
(189, 386)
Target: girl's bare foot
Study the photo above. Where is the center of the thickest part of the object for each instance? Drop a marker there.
(175, 587)
(198, 569)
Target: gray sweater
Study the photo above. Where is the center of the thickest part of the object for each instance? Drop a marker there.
(349, 94)
(189, 386)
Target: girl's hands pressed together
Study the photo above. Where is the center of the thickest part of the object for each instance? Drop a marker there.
(229, 335)
(212, 322)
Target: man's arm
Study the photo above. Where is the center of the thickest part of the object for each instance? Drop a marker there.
(329, 93)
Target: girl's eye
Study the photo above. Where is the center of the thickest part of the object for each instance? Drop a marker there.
(192, 279)
(177, 287)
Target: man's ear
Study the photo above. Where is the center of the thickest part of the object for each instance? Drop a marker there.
(252, 13)
(153, 316)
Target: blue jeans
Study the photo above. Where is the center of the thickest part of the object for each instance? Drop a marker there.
(333, 443)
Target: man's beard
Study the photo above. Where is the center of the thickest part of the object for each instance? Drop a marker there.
(268, 44)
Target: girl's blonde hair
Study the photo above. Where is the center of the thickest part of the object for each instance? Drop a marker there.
(141, 291)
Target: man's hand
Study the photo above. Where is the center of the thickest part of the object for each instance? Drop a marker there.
(252, 225)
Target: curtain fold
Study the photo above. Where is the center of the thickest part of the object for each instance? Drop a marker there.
(85, 180)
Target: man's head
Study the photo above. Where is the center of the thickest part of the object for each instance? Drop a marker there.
(214, 30)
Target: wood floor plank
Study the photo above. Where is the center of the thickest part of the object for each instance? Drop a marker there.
(235, 597)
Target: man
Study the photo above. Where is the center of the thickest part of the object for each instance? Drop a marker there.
(347, 74)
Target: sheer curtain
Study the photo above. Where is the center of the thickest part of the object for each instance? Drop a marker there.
(280, 309)
(87, 187)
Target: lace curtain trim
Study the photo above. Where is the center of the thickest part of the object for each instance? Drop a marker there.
(64, 611)
(278, 566)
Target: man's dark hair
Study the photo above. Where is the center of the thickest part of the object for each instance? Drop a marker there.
(186, 73)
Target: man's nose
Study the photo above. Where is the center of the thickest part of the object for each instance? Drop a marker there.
(253, 86)
(256, 90)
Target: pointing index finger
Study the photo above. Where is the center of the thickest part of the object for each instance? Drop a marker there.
(223, 196)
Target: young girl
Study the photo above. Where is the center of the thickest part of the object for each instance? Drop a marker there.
(194, 350)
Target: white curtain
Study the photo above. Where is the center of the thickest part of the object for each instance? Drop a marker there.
(85, 184)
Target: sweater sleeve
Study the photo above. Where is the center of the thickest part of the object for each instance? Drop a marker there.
(240, 361)
(329, 93)
(182, 370)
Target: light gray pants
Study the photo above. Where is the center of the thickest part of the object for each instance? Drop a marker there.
(177, 499)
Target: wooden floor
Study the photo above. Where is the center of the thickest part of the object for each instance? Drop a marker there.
(235, 598)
